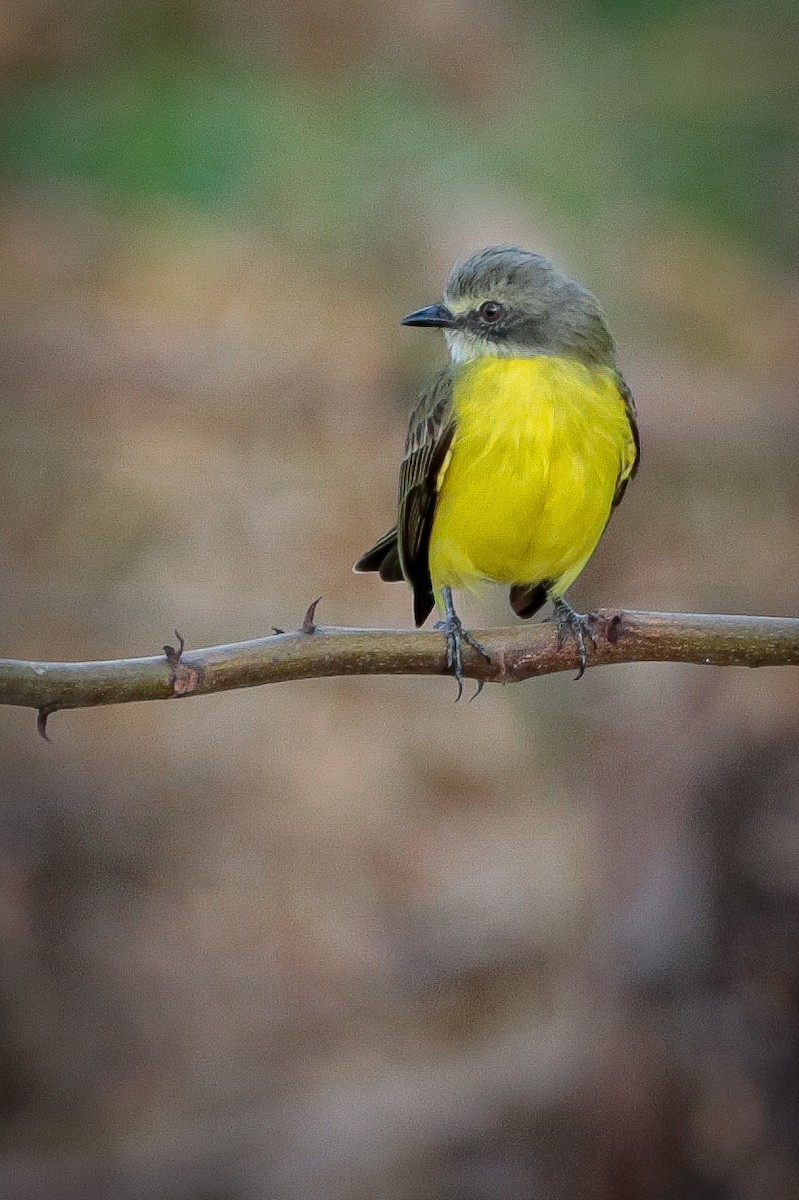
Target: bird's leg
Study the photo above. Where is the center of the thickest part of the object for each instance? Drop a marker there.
(456, 635)
(577, 625)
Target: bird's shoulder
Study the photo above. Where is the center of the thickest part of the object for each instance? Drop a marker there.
(632, 417)
(431, 414)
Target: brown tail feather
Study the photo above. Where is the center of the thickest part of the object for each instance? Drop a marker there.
(527, 598)
(383, 557)
(423, 605)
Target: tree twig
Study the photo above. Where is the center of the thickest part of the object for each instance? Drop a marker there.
(314, 651)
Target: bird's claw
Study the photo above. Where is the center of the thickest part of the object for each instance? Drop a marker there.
(579, 626)
(456, 635)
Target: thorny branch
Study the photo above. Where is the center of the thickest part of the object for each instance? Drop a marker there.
(315, 650)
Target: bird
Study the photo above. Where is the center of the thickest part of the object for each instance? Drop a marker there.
(516, 454)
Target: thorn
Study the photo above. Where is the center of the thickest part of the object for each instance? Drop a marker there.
(174, 656)
(275, 630)
(185, 678)
(42, 715)
(478, 690)
(308, 625)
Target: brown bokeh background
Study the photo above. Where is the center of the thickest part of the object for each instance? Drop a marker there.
(342, 938)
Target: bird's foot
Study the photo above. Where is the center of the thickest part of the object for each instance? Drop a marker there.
(580, 626)
(456, 635)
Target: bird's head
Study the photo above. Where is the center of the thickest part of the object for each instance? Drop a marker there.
(509, 302)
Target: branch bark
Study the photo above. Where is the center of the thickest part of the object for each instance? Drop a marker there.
(314, 651)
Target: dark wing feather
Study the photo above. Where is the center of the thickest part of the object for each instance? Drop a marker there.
(383, 557)
(429, 438)
(628, 474)
(402, 553)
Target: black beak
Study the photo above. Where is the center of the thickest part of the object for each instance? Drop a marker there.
(433, 315)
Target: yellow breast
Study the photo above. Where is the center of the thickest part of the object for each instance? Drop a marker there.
(527, 489)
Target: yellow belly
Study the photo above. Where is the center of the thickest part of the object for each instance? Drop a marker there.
(539, 447)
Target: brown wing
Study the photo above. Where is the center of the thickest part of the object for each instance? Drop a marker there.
(429, 438)
(402, 553)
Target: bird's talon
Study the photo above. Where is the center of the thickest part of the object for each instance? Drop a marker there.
(578, 626)
(456, 635)
(475, 645)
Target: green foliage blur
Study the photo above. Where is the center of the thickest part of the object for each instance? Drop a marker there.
(594, 108)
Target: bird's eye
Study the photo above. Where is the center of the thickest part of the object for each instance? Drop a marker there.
(490, 311)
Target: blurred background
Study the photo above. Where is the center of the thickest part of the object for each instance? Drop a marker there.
(341, 938)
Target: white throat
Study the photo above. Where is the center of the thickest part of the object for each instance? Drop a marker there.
(467, 347)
